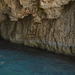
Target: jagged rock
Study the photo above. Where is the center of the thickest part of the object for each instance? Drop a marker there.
(48, 24)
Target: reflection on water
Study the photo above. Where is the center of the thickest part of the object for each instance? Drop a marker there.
(20, 60)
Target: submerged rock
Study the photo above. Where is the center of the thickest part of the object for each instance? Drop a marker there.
(48, 24)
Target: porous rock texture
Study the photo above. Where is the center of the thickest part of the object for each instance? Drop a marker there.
(48, 24)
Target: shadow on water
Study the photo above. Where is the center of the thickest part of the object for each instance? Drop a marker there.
(16, 59)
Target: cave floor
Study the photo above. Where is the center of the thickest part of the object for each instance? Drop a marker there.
(17, 59)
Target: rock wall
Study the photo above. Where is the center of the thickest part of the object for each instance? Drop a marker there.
(48, 24)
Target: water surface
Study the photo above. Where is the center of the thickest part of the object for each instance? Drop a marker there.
(17, 59)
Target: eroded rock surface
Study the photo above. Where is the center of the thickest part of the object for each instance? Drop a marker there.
(48, 24)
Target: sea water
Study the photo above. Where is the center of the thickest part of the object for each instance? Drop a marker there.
(17, 59)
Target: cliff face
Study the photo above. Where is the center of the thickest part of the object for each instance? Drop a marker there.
(48, 24)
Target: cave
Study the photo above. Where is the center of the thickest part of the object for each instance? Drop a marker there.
(37, 37)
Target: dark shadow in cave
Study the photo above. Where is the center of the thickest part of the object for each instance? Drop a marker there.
(8, 46)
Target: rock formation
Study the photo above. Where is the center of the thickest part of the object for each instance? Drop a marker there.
(48, 24)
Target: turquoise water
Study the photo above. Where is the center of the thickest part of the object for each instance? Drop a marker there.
(20, 60)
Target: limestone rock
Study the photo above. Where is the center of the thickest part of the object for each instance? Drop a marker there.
(48, 24)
